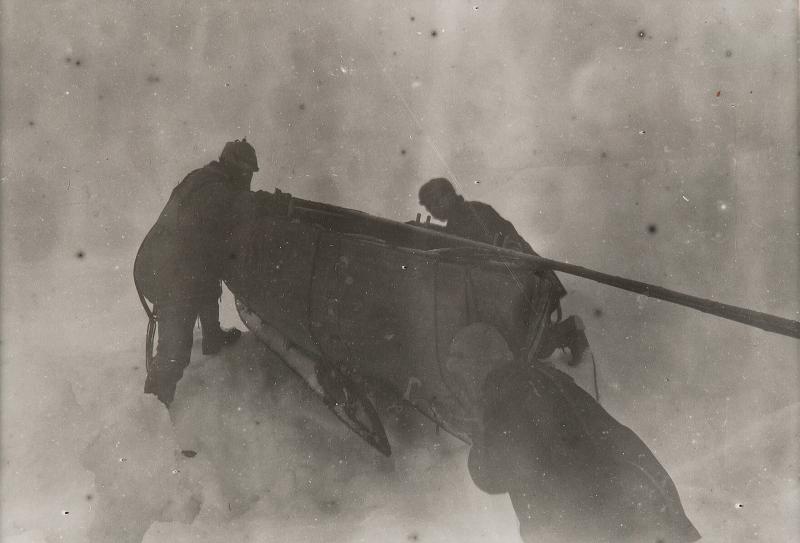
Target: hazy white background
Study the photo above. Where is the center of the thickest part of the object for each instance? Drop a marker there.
(654, 140)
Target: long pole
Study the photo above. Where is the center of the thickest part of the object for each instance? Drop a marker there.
(765, 321)
(366, 224)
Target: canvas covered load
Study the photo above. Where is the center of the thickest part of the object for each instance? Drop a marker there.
(388, 300)
(362, 307)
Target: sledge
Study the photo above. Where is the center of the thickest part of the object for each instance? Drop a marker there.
(370, 312)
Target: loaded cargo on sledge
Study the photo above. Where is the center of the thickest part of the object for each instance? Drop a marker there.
(364, 308)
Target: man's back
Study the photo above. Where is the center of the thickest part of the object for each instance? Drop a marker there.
(180, 255)
(480, 222)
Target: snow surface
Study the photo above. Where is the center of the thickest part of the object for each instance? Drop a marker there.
(653, 140)
(87, 456)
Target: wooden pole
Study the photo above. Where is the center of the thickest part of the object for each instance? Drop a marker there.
(765, 321)
(367, 224)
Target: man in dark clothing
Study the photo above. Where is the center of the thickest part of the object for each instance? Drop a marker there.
(472, 220)
(480, 222)
(180, 262)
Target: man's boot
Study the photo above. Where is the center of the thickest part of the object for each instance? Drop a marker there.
(214, 342)
(162, 379)
(214, 336)
(578, 344)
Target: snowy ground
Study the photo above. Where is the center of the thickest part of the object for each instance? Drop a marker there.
(88, 457)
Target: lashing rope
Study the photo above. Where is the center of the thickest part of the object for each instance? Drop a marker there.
(152, 325)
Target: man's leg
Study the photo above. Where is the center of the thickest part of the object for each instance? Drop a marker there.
(175, 326)
(215, 337)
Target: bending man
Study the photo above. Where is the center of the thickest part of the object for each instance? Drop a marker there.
(480, 222)
(180, 262)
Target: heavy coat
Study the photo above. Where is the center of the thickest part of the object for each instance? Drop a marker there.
(480, 222)
(181, 259)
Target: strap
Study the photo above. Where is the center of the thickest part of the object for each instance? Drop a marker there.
(152, 324)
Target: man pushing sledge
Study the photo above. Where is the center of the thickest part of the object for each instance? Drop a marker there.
(180, 262)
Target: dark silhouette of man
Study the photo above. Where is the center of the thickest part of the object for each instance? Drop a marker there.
(180, 263)
(480, 222)
(572, 471)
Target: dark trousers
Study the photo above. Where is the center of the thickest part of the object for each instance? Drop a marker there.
(176, 330)
(175, 338)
